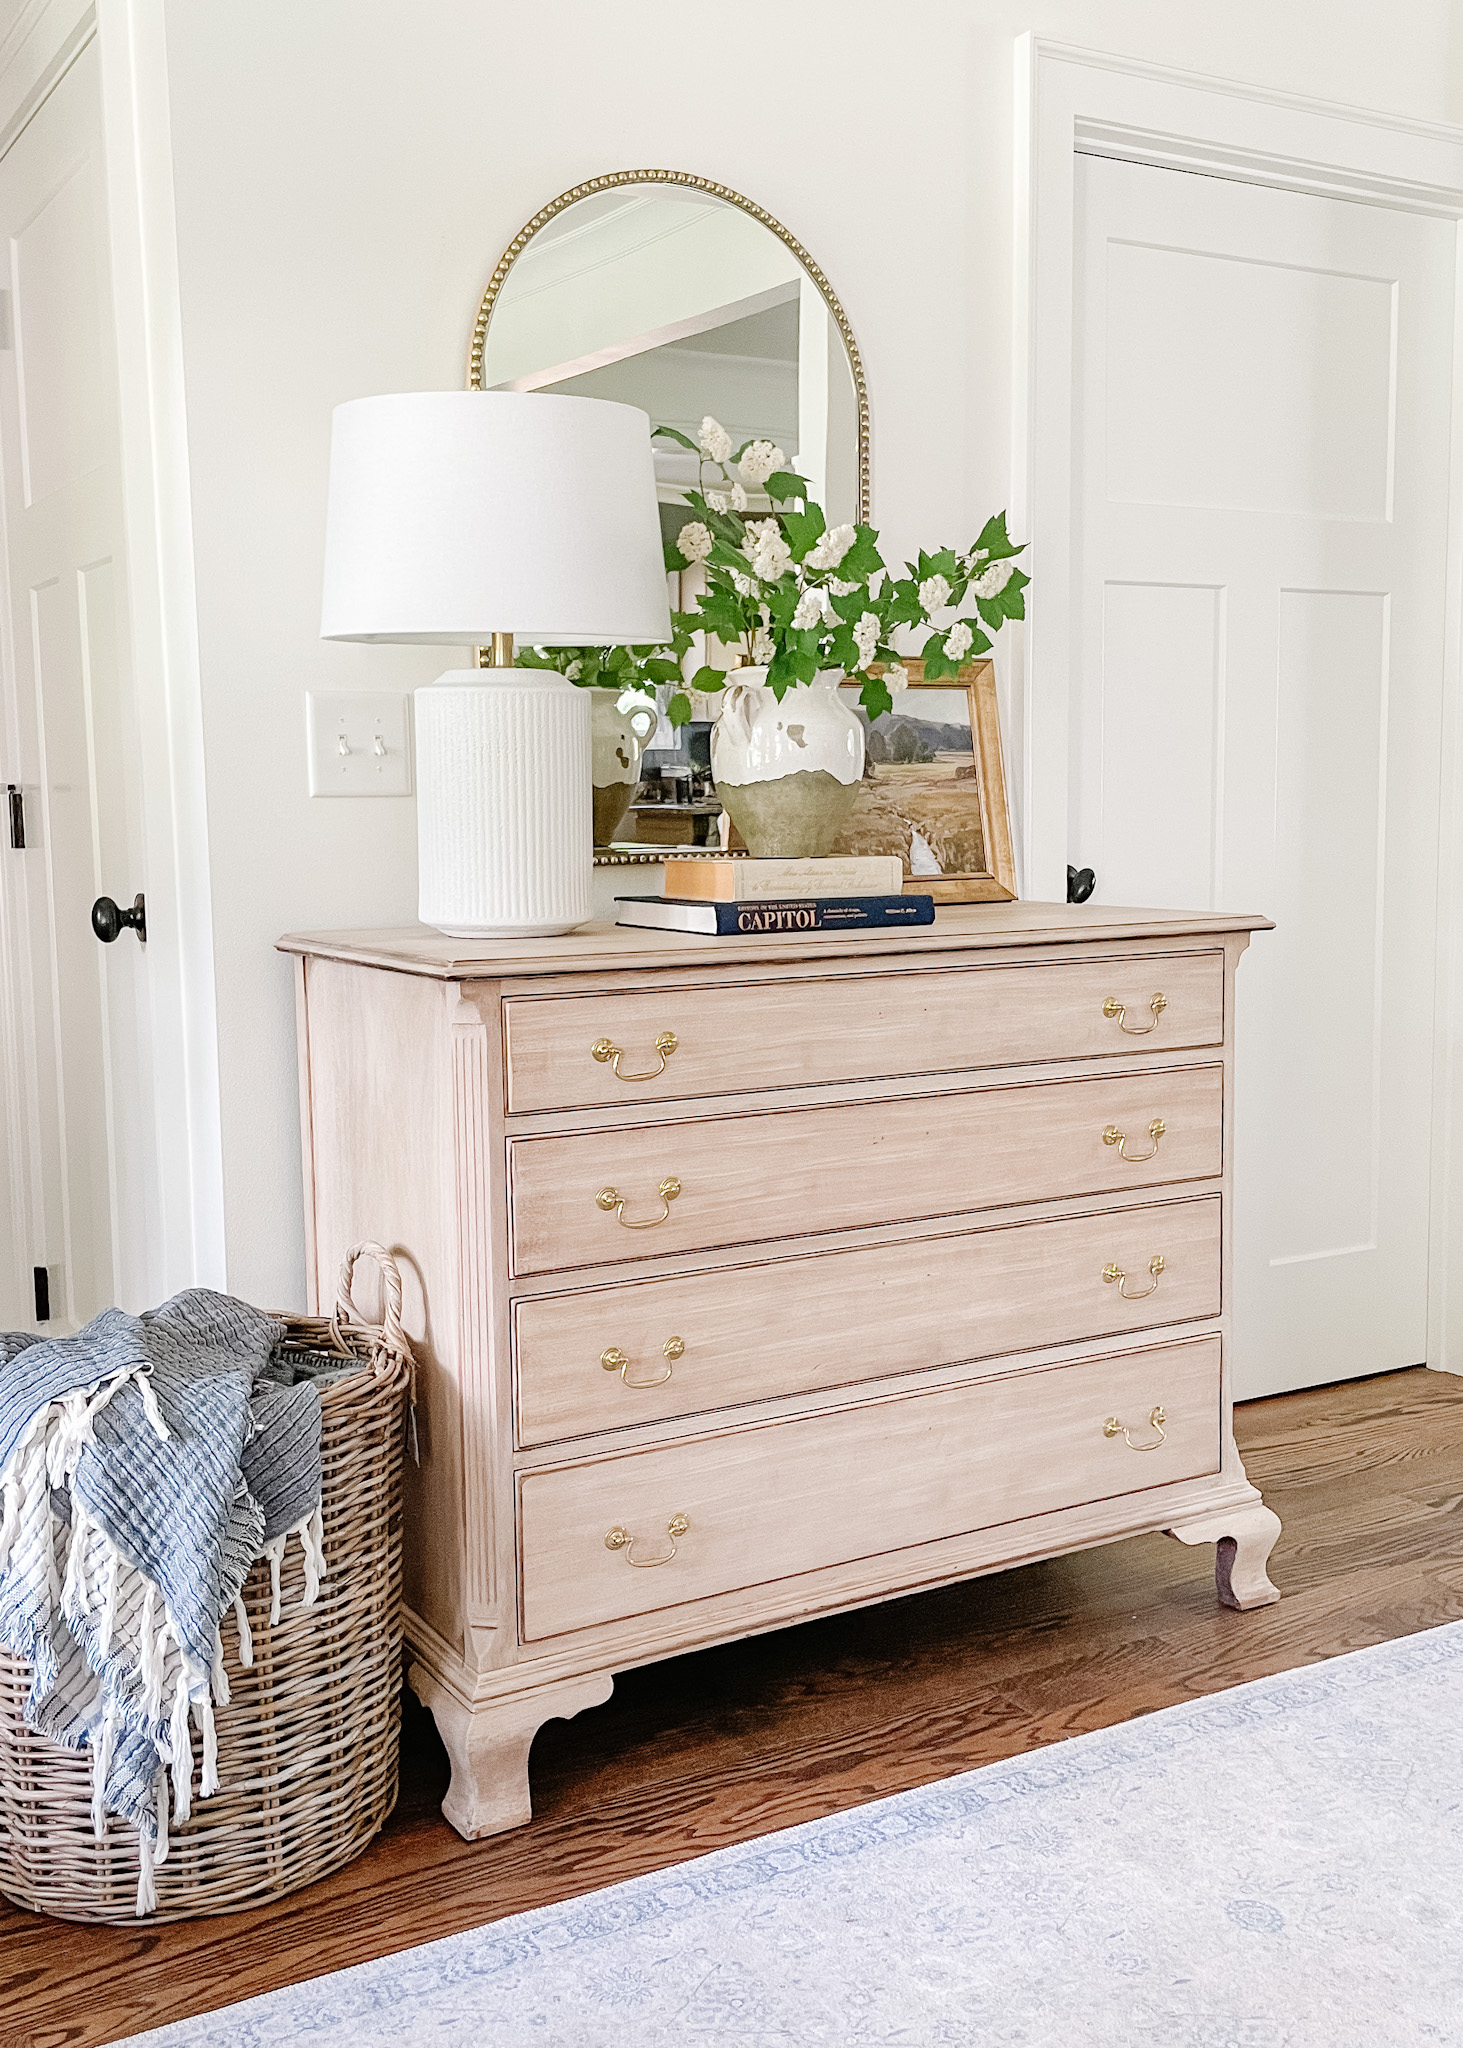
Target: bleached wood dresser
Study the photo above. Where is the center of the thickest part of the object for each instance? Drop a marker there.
(756, 1278)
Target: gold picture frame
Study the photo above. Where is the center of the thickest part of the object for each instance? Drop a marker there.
(935, 809)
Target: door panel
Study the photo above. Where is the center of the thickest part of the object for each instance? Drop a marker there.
(77, 1065)
(1262, 385)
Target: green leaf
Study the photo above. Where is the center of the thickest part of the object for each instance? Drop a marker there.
(997, 543)
(721, 613)
(863, 558)
(660, 669)
(785, 483)
(803, 530)
(875, 697)
(674, 559)
(782, 673)
(706, 679)
(937, 662)
(843, 651)
(991, 611)
(674, 434)
(851, 605)
(804, 662)
(678, 711)
(946, 563)
(901, 603)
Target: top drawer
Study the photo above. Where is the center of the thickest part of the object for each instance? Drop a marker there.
(725, 1037)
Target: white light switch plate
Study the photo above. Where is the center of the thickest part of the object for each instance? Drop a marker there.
(359, 742)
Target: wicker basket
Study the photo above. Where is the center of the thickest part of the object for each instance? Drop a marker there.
(307, 1747)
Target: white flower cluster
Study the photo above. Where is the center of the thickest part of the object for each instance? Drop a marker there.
(574, 671)
(758, 462)
(694, 540)
(768, 552)
(812, 610)
(839, 588)
(994, 580)
(958, 641)
(866, 638)
(715, 442)
(832, 548)
(764, 648)
(934, 594)
(896, 678)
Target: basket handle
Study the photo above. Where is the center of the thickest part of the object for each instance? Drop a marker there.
(392, 1328)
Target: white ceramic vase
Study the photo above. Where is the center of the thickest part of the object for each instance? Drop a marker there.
(787, 773)
(504, 847)
(622, 725)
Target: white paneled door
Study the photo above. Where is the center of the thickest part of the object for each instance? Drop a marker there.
(79, 1198)
(1262, 402)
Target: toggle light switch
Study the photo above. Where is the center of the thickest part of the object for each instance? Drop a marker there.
(359, 742)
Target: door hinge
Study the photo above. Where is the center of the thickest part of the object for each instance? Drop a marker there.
(43, 1294)
(15, 804)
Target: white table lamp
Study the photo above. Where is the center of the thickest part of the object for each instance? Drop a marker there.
(465, 518)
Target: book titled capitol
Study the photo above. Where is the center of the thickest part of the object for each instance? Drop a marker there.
(795, 914)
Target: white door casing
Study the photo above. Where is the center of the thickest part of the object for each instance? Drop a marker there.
(1259, 566)
(1072, 103)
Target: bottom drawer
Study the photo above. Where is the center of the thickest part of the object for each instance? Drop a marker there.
(780, 1498)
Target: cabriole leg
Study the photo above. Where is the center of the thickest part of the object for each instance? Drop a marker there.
(488, 1745)
(1243, 1539)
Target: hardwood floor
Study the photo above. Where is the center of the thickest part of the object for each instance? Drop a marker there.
(710, 1749)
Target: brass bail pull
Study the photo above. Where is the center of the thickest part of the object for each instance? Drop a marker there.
(613, 1203)
(1116, 1275)
(620, 1538)
(1156, 1420)
(1157, 1004)
(614, 1360)
(1113, 1136)
(609, 1054)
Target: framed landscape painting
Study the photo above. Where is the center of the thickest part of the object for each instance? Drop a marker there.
(934, 789)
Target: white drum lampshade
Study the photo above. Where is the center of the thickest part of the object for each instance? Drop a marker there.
(455, 516)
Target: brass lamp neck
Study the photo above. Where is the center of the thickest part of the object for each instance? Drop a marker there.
(499, 654)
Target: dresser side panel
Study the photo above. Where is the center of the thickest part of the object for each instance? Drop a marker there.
(381, 1167)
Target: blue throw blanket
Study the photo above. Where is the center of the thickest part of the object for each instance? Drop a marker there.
(144, 1465)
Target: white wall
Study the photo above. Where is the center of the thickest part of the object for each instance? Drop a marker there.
(347, 173)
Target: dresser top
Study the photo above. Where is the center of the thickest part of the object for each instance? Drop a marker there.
(602, 946)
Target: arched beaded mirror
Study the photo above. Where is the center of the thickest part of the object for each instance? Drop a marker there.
(677, 295)
(680, 296)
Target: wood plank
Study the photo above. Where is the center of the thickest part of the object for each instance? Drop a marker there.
(716, 1748)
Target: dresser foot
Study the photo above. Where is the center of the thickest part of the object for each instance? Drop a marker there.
(488, 1745)
(1243, 1540)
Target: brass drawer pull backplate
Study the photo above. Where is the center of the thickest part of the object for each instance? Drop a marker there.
(1113, 1008)
(1112, 1427)
(1115, 1274)
(613, 1203)
(614, 1360)
(609, 1054)
(621, 1539)
(1113, 1136)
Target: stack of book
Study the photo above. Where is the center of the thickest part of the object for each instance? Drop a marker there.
(720, 896)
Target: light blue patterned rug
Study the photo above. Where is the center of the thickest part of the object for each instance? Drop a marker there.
(1280, 1866)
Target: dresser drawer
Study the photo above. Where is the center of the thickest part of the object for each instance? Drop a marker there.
(651, 1350)
(638, 1192)
(570, 1052)
(769, 1502)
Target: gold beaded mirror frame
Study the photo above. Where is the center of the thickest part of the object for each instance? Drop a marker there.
(570, 364)
(682, 297)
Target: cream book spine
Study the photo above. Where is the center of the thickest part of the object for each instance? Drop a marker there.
(753, 881)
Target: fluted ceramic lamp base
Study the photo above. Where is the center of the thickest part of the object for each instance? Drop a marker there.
(505, 843)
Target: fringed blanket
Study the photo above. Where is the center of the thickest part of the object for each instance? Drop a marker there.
(144, 1465)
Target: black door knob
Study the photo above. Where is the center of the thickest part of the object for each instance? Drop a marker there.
(1080, 884)
(109, 921)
